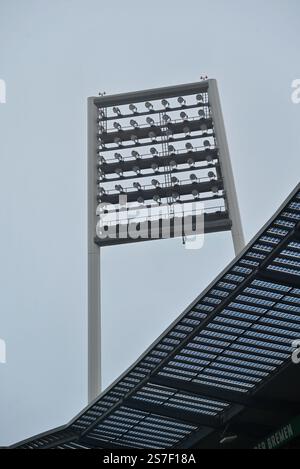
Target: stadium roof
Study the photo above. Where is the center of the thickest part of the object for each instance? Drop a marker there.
(222, 365)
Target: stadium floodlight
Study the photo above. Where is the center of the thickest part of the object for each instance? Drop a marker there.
(157, 199)
(102, 191)
(149, 106)
(118, 157)
(173, 165)
(155, 167)
(153, 136)
(101, 159)
(136, 169)
(118, 141)
(134, 138)
(119, 172)
(140, 200)
(211, 175)
(189, 147)
(181, 101)
(191, 162)
(155, 183)
(174, 180)
(119, 188)
(186, 131)
(195, 193)
(117, 126)
(169, 134)
(134, 124)
(137, 186)
(133, 108)
(135, 154)
(157, 113)
(206, 143)
(165, 103)
(166, 118)
(117, 111)
(150, 121)
(184, 116)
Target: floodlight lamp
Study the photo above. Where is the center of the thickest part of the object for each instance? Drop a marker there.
(134, 138)
(195, 193)
(181, 101)
(203, 127)
(206, 143)
(157, 199)
(191, 162)
(184, 116)
(155, 167)
(101, 159)
(199, 98)
(193, 178)
(153, 151)
(136, 170)
(201, 114)
(102, 191)
(119, 188)
(140, 200)
(211, 175)
(152, 135)
(169, 134)
(165, 103)
(171, 149)
(117, 111)
(102, 114)
(175, 196)
(215, 189)
(189, 147)
(209, 159)
(186, 131)
(166, 118)
(137, 186)
(173, 165)
(135, 154)
(149, 106)
(134, 124)
(133, 108)
(174, 180)
(119, 172)
(155, 183)
(101, 129)
(118, 157)
(150, 121)
(118, 141)
(117, 126)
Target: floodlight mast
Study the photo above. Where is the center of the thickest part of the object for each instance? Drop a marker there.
(207, 126)
(226, 167)
(94, 251)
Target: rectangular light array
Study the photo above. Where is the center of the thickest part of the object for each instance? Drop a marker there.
(161, 154)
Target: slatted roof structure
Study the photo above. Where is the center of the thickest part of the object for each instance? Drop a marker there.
(211, 368)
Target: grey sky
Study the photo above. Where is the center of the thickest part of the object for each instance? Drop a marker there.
(55, 53)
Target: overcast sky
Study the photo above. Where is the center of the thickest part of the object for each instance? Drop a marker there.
(56, 53)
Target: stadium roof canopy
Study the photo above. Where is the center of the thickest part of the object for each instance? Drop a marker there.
(223, 366)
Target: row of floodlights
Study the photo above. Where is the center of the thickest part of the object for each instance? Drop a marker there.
(152, 135)
(154, 152)
(166, 120)
(175, 195)
(149, 106)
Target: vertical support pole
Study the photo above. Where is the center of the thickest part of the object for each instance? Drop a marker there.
(226, 167)
(94, 286)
